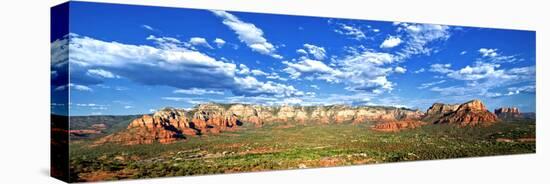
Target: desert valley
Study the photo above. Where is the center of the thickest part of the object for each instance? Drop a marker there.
(224, 138)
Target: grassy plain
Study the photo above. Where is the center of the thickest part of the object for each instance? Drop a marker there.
(280, 146)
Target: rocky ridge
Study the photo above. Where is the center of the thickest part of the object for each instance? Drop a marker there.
(471, 113)
(508, 112)
(170, 124)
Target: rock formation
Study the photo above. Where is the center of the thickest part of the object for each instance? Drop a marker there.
(394, 126)
(438, 110)
(169, 124)
(471, 113)
(508, 112)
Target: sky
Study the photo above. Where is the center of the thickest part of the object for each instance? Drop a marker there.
(136, 59)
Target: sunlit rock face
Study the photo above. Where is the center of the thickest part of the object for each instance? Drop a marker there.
(170, 124)
(508, 112)
(471, 113)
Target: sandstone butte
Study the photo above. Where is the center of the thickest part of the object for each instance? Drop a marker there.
(170, 124)
(507, 112)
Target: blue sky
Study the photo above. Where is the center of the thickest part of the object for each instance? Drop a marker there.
(135, 59)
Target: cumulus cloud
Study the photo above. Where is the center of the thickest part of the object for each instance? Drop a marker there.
(440, 68)
(430, 84)
(390, 42)
(100, 73)
(309, 67)
(419, 70)
(219, 42)
(198, 41)
(484, 78)
(250, 86)
(169, 64)
(317, 52)
(249, 34)
(493, 56)
(362, 71)
(488, 52)
(417, 37)
(351, 31)
(77, 87)
(367, 71)
(198, 91)
(399, 69)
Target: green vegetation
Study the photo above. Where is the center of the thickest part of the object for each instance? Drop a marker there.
(278, 146)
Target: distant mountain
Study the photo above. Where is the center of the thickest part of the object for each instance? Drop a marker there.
(169, 124)
(97, 126)
(508, 112)
(471, 113)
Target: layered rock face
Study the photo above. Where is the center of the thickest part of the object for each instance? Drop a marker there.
(471, 113)
(438, 110)
(169, 124)
(395, 126)
(508, 112)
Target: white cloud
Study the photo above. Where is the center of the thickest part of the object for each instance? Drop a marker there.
(80, 87)
(390, 42)
(309, 67)
(243, 69)
(430, 84)
(314, 87)
(440, 68)
(463, 52)
(128, 107)
(198, 91)
(492, 56)
(257, 72)
(351, 31)
(399, 69)
(185, 68)
(419, 70)
(101, 73)
(168, 43)
(176, 99)
(317, 52)
(301, 51)
(274, 75)
(483, 79)
(77, 87)
(198, 41)
(250, 86)
(249, 34)
(478, 71)
(219, 42)
(417, 37)
(521, 89)
(148, 27)
(488, 52)
(367, 71)
(362, 71)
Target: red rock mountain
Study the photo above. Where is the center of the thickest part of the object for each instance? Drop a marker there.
(169, 124)
(471, 113)
(508, 112)
(394, 126)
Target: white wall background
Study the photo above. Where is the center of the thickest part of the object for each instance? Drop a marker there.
(24, 91)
